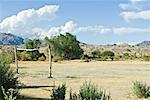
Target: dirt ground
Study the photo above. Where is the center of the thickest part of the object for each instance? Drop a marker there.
(115, 77)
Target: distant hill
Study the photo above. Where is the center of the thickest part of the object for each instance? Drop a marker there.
(144, 43)
(10, 39)
(140, 49)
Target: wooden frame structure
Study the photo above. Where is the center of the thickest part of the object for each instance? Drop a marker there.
(21, 49)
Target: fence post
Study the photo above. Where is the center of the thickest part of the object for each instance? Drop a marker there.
(16, 60)
(50, 61)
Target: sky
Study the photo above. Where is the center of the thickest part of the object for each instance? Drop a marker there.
(92, 21)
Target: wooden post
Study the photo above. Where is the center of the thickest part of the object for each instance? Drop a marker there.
(16, 60)
(50, 61)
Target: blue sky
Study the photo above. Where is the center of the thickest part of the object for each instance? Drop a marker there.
(92, 21)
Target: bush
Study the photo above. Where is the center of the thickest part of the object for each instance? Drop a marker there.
(42, 57)
(8, 52)
(7, 76)
(90, 91)
(5, 58)
(24, 56)
(141, 90)
(59, 92)
(86, 58)
(146, 58)
(108, 55)
(57, 59)
(96, 54)
(73, 96)
(11, 94)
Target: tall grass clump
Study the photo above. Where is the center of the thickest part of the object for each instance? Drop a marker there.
(73, 96)
(90, 91)
(58, 93)
(8, 80)
(141, 90)
(11, 94)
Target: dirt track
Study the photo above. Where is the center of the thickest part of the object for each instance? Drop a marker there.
(115, 77)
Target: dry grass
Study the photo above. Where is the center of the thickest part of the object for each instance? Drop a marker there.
(115, 77)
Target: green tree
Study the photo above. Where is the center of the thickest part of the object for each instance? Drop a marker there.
(32, 44)
(65, 46)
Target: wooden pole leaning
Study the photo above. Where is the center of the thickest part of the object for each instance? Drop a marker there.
(16, 59)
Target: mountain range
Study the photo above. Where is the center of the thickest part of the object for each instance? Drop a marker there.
(144, 43)
(10, 39)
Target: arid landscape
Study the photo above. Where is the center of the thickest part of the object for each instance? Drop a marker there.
(74, 50)
(114, 76)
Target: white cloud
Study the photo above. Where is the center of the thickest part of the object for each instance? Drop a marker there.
(22, 22)
(93, 29)
(129, 7)
(122, 30)
(71, 27)
(68, 27)
(137, 1)
(134, 5)
(136, 15)
(135, 9)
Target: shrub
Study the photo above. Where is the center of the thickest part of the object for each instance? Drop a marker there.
(118, 57)
(90, 91)
(5, 58)
(42, 57)
(96, 54)
(11, 94)
(59, 92)
(86, 58)
(8, 52)
(73, 96)
(141, 90)
(25, 56)
(7, 76)
(57, 59)
(108, 55)
(146, 58)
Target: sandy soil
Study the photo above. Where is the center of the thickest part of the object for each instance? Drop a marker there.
(115, 77)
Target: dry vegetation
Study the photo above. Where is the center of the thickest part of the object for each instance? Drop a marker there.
(119, 49)
(116, 77)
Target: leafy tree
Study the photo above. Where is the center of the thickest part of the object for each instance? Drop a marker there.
(65, 46)
(32, 44)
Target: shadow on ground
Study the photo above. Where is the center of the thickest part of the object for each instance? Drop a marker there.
(23, 97)
(30, 87)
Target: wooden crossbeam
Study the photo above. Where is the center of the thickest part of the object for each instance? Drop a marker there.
(21, 49)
